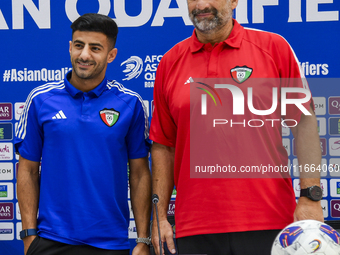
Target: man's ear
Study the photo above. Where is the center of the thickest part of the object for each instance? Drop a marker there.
(234, 3)
(70, 49)
(112, 55)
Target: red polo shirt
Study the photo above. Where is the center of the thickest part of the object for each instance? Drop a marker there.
(218, 205)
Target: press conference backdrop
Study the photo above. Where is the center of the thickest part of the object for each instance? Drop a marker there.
(34, 44)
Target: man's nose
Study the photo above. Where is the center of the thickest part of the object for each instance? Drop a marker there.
(202, 4)
(85, 53)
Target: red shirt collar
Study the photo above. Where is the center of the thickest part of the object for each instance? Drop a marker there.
(234, 39)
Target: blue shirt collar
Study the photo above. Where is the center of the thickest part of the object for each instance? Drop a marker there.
(96, 92)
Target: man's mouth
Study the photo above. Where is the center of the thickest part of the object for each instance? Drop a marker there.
(204, 13)
(85, 64)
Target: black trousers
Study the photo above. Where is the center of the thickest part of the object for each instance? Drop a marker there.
(236, 243)
(43, 246)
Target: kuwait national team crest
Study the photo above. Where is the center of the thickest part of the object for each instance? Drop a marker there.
(241, 73)
(109, 116)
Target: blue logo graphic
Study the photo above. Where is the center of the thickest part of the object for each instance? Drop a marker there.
(331, 233)
(6, 131)
(6, 231)
(334, 126)
(3, 190)
(289, 235)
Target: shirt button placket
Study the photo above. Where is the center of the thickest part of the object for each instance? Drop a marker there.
(85, 105)
(213, 60)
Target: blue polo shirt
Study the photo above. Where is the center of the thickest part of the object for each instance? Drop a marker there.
(84, 141)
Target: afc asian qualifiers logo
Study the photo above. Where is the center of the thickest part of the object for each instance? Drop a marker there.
(241, 74)
(133, 67)
(109, 116)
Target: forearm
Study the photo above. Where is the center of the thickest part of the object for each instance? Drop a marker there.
(162, 176)
(308, 151)
(28, 192)
(140, 193)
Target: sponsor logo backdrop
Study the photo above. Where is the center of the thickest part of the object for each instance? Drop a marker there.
(35, 36)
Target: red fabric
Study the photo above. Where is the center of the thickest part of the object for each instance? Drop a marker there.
(221, 205)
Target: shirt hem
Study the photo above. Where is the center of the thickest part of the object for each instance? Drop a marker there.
(230, 229)
(60, 239)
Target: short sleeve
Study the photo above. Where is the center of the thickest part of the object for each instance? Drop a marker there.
(293, 81)
(137, 141)
(29, 135)
(163, 129)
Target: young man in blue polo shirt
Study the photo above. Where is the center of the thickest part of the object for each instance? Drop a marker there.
(84, 130)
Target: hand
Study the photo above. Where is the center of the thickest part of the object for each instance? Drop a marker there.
(166, 236)
(141, 249)
(27, 242)
(307, 209)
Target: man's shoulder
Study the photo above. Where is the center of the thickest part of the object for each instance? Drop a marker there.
(42, 92)
(177, 50)
(263, 39)
(118, 90)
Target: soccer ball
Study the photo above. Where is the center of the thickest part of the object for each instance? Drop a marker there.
(307, 237)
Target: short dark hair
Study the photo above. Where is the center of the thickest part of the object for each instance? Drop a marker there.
(95, 22)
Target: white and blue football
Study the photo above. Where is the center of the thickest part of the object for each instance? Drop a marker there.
(307, 237)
